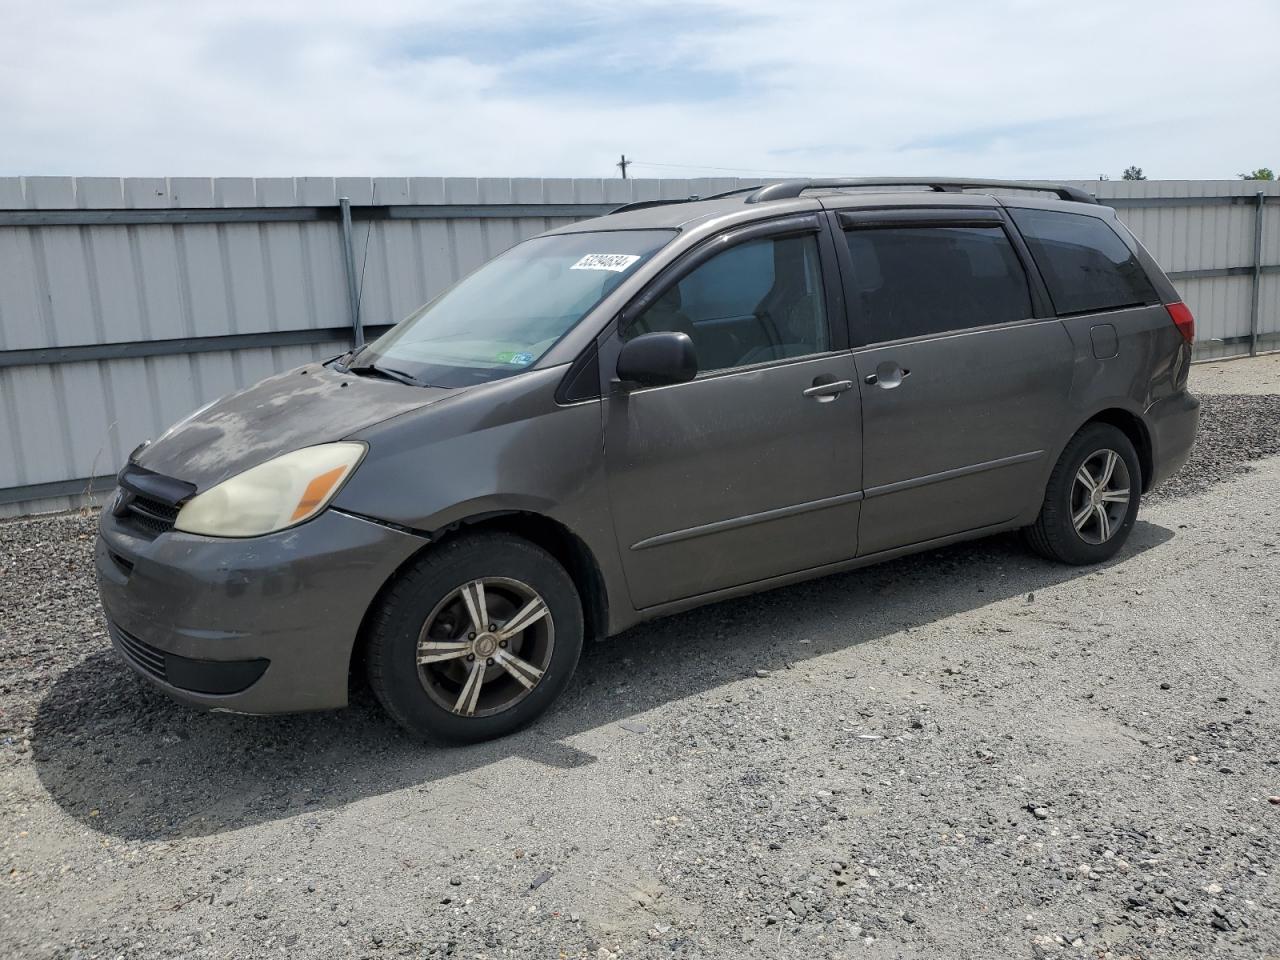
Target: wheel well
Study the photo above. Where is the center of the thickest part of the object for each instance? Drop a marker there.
(559, 541)
(568, 549)
(1133, 428)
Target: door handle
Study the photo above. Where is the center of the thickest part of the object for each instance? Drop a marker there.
(887, 376)
(826, 392)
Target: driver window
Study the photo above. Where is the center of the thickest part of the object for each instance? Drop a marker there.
(756, 302)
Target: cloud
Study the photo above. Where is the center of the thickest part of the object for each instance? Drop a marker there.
(1006, 88)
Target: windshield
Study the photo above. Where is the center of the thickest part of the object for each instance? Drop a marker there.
(502, 318)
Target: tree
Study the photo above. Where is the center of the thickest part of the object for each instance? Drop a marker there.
(1262, 173)
(1133, 173)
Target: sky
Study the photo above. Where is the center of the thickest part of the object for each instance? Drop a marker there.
(1007, 88)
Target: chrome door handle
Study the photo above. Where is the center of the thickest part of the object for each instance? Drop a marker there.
(826, 392)
(887, 376)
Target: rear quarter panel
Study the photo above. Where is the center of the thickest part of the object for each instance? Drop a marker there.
(1151, 359)
(1150, 364)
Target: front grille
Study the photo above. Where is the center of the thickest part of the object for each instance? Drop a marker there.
(150, 516)
(215, 677)
(142, 654)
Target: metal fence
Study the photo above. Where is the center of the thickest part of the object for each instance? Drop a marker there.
(126, 303)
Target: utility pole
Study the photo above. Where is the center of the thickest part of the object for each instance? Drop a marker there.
(623, 164)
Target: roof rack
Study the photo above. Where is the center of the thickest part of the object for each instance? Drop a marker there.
(787, 189)
(642, 204)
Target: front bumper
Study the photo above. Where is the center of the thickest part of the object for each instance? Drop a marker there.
(259, 625)
(1172, 422)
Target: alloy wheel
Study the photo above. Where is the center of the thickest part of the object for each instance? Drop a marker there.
(1100, 496)
(485, 646)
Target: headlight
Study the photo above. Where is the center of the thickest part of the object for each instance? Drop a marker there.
(273, 495)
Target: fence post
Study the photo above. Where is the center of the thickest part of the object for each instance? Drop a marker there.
(1256, 306)
(353, 289)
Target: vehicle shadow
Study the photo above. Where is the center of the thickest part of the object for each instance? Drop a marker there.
(123, 760)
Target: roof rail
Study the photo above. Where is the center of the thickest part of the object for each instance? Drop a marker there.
(787, 189)
(642, 204)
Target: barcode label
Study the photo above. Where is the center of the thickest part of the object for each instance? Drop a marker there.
(615, 262)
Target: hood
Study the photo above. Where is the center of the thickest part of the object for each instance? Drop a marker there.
(309, 405)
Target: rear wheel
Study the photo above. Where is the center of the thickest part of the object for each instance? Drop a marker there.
(1091, 501)
(476, 639)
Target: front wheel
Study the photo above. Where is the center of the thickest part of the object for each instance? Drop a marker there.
(1091, 501)
(476, 639)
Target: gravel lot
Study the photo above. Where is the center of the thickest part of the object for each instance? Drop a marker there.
(970, 753)
(1254, 376)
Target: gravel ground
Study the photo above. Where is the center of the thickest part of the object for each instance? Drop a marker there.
(970, 753)
(1252, 375)
(1234, 431)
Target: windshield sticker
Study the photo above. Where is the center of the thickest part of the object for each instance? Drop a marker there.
(515, 359)
(614, 262)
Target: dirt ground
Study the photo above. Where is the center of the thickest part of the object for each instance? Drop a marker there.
(971, 753)
(1253, 376)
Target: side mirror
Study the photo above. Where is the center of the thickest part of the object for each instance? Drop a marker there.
(658, 359)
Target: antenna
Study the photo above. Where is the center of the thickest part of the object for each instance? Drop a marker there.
(355, 286)
(364, 261)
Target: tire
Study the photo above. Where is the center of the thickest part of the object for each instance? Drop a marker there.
(430, 612)
(1055, 534)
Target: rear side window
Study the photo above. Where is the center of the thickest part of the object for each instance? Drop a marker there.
(1085, 264)
(914, 281)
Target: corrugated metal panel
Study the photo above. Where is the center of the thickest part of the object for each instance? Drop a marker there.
(66, 286)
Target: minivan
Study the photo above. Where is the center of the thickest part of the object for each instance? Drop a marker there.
(679, 403)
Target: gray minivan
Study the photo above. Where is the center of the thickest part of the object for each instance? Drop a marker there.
(678, 403)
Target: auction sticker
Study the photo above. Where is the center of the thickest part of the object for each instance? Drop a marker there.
(615, 262)
(521, 359)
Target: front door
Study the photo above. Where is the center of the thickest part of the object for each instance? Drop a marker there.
(963, 386)
(752, 470)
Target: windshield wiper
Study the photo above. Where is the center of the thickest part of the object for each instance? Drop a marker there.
(388, 373)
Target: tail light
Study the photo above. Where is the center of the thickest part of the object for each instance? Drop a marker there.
(1181, 316)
